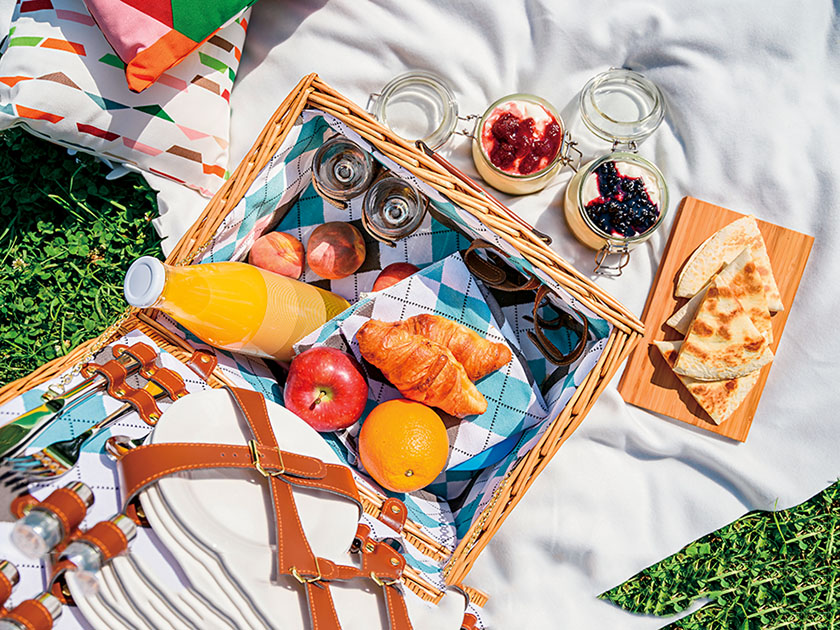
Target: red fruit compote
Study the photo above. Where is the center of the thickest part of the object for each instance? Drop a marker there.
(518, 143)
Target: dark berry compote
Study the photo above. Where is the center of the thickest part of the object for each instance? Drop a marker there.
(621, 198)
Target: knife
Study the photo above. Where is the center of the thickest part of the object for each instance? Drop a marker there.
(20, 432)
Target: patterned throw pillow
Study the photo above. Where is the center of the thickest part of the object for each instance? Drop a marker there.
(151, 36)
(62, 81)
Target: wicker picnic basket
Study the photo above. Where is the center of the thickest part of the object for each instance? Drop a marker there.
(311, 92)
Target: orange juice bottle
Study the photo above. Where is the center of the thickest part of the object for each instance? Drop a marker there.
(232, 305)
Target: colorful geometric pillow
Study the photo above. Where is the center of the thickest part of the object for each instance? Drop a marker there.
(60, 79)
(151, 36)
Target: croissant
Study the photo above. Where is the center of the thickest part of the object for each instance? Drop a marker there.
(421, 369)
(479, 356)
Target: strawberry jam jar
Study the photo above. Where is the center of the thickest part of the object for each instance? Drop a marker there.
(518, 144)
(618, 200)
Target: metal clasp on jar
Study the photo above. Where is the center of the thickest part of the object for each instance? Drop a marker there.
(622, 252)
(567, 147)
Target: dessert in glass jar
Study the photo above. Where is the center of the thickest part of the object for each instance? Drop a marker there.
(518, 144)
(616, 202)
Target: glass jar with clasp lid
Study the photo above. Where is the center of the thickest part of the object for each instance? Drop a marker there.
(518, 144)
(619, 199)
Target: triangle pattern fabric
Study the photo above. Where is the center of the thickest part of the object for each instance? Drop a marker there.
(192, 134)
(198, 19)
(161, 10)
(106, 103)
(719, 399)
(722, 342)
(59, 77)
(154, 110)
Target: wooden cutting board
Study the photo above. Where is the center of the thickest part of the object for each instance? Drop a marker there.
(648, 382)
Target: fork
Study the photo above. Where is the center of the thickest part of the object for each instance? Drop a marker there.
(59, 457)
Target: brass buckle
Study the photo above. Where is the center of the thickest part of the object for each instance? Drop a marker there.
(307, 580)
(255, 460)
(381, 582)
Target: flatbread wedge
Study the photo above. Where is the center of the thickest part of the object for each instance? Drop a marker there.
(720, 249)
(719, 399)
(722, 342)
(741, 274)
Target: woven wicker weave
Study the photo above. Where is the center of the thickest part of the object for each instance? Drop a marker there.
(312, 92)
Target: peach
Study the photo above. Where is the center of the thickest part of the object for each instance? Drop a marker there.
(278, 252)
(335, 250)
(392, 274)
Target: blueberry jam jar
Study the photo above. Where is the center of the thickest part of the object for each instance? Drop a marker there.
(619, 199)
(616, 202)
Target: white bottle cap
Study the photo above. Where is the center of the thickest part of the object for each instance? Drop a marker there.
(144, 282)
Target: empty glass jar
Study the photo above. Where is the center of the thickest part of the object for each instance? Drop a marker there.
(619, 199)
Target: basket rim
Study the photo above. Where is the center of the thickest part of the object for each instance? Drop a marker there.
(311, 91)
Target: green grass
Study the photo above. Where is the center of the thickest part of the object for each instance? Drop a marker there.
(767, 570)
(67, 235)
(67, 239)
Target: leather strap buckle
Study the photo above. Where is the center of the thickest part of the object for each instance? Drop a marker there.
(255, 459)
(383, 583)
(307, 580)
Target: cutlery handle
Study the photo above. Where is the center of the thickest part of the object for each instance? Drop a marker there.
(20, 432)
(153, 389)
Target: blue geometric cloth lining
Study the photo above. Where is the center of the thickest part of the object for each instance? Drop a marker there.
(445, 288)
(281, 198)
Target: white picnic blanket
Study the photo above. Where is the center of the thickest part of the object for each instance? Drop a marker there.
(753, 89)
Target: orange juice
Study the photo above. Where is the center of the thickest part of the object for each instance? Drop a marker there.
(232, 305)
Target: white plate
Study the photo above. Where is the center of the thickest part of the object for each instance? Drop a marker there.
(229, 512)
(231, 506)
(96, 612)
(205, 571)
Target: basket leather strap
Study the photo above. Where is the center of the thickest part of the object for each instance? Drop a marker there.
(146, 464)
(494, 272)
(32, 615)
(6, 587)
(295, 556)
(107, 537)
(67, 506)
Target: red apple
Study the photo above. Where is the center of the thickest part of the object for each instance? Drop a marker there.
(392, 274)
(326, 387)
(278, 252)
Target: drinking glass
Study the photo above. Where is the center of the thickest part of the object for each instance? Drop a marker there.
(341, 170)
(392, 209)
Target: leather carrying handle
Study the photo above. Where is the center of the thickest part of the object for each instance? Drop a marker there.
(563, 320)
(495, 272)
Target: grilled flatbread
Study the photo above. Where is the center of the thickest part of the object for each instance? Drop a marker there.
(722, 248)
(681, 319)
(741, 274)
(719, 399)
(722, 342)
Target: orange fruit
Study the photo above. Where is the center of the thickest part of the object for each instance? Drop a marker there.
(403, 445)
